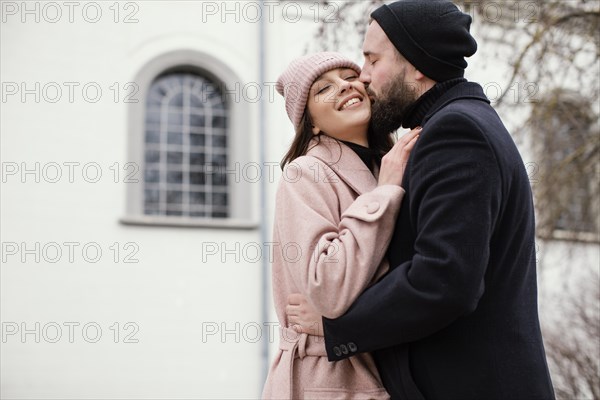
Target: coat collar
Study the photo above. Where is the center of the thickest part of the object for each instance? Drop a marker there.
(463, 90)
(344, 162)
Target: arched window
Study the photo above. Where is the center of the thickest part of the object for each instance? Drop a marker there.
(189, 139)
(185, 147)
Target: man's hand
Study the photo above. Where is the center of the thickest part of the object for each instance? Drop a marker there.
(302, 317)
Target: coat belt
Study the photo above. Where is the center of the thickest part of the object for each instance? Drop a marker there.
(298, 345)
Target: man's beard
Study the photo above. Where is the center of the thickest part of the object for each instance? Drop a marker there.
(389, 109)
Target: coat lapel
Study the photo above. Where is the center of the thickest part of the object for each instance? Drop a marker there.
(344, 162)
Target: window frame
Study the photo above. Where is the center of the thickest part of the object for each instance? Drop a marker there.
(242, 195)
(567, 233)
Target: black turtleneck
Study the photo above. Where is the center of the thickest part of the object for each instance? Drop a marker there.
(369, 156)
(418, 111)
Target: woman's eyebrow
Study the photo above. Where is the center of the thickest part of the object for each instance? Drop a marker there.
(319, 80)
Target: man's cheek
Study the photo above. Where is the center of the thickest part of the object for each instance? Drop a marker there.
(376, 82)
(376, 91)
(371, 94)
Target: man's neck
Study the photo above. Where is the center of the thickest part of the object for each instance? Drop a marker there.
(414, 116)
(425, 87)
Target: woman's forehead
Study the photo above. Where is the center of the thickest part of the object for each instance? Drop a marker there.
(332, 73)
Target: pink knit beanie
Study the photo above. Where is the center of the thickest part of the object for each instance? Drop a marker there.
(295, 82)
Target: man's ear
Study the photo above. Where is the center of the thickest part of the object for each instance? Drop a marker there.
(419, 77)
(426, 82)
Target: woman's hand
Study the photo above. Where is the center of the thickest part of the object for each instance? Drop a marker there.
(302, 317)
(394, 162)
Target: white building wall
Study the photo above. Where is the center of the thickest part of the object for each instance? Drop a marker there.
(178, 300)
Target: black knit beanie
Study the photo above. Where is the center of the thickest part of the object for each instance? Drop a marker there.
(433, 35)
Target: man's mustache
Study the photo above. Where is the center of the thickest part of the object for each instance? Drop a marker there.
(371, 94)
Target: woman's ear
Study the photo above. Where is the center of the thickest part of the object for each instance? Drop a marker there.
(316, 130)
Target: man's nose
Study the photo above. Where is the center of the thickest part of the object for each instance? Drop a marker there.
(365, 76)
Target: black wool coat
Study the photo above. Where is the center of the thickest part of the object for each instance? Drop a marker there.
(456, 316)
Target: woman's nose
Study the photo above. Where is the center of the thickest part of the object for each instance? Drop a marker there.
(344, 85)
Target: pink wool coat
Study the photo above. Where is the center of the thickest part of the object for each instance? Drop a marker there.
(333, 225)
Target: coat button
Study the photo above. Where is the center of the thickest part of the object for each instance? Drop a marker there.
(372, 207)
(352, 347)
(344, 349)
(337, 351)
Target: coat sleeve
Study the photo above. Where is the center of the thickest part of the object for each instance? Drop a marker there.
(454, 196)
(331, 257)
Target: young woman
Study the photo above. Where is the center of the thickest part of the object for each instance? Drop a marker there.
(336, 207)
